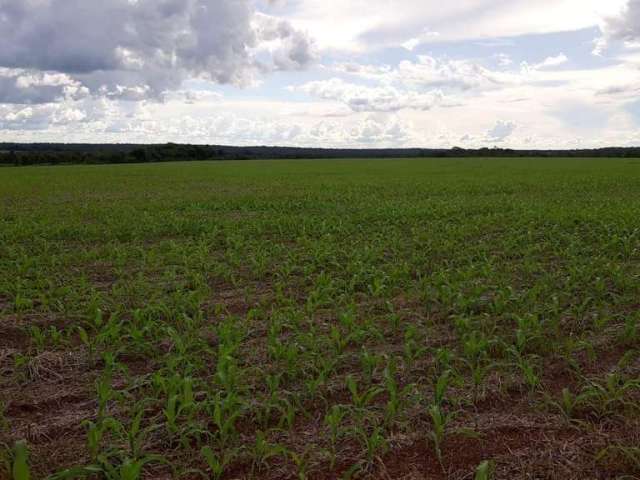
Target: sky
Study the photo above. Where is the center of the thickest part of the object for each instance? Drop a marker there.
(325, 73)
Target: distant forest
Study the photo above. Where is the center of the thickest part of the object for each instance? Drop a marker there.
(17, 154)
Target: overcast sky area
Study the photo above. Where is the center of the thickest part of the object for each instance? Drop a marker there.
(329, 73)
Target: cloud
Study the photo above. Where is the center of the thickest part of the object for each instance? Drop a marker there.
(501, 131)
(630, 90)
(503, 59)
(424, 37)
(455, 75)
(104, 120)
(372, 72)
(547, 64)
(33, 87)
(39, 117)
(376, 24)
(140, 48)
(551, 62)
(372, 131)
(429, 71)
(625, 27)
(361, 98)
(432, 72)
(290, 49)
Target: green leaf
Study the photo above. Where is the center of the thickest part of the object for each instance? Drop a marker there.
(20, 469)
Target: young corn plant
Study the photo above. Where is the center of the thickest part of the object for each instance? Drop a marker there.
(397, 396)
(287, 411)
(439, 418)
(324, 368)
(631, 331)
(224, 412)
(110, 333)
(412, 348)
(611, 397)
(134, 433)
(301, 461)
(443, 359)
(570, 403)
(334, 420)
(476, 354)
(180, 404)
(263, 451)
(217, 464)
(529, 333)
(393, 318)
(439, 424)
(124, 469)
(95, 434)
(361, 399)
(527, 366)
(339, 340)
(440, 389)
(38, 338)
(370, 363)
(89, 342)
(484, 471)
(228, 373)
(20, 466)
(375, 444)
(106, 394)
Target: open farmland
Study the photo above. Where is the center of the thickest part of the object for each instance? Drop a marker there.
(321, 319)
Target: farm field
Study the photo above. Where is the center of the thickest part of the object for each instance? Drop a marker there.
(392, 319)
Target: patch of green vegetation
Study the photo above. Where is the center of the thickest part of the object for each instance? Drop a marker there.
(321, 319)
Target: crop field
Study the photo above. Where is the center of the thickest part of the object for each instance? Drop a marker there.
(383, 319)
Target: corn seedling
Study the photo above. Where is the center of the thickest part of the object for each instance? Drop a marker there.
(361, 399)
(20, 465)
(439, 422)
(334, 420)
(484, 471)
(217, 464)
(263, 451)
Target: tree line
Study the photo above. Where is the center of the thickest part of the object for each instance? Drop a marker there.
(17, 154)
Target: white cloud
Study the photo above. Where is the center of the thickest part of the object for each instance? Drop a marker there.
(501, 131)
(450, 75)
(381, 131)
(554, 61)
(432, 72)
(365, 25)
(425, 36)
(361, 98)
(33, 87)
(503, 59)
(429, 71)
(39, 117)
(547, 64)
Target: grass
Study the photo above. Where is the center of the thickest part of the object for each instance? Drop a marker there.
(321, 319)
